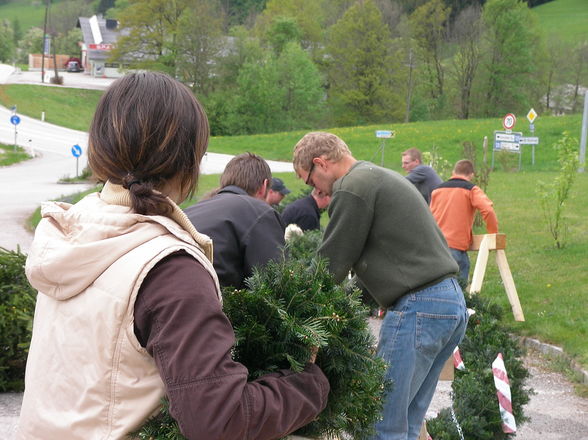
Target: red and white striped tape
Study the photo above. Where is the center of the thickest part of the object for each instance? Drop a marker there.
(457, 361)
(503, 392)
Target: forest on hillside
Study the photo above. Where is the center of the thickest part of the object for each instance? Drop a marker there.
(264, 66)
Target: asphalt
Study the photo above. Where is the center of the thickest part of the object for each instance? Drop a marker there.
(556, 412)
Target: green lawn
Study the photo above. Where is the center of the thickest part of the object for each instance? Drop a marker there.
(72, 108)
(564, 19)
(29, 13)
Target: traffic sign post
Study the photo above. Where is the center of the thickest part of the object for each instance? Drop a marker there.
(15, 120)
(76, 151)
(507, 141)
(531, 116)
(383, 135)
(509, 121)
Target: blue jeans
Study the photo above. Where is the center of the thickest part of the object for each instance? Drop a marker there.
(418, 334)
(463, 261)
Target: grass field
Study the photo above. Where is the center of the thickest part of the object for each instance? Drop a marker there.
(564, 19)
(73, 108)
(29, 13)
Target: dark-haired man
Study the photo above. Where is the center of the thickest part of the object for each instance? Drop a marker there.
(245, 230)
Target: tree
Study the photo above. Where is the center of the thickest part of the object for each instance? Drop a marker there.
(428, 24)
(467, 31)
(200, 40)
(69, 43)
(579, 72)
(308, 16)
(360, 68)
(258, 97)
(151, 31)
(65, 14)
(32, 42)
(301, 88)
(510, 60)
(7, 49)
(283, 31)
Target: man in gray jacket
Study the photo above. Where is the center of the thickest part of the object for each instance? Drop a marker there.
(422, 176)
(381, 227)
(245, 230)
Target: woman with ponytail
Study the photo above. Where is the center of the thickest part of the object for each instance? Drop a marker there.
(129, 308)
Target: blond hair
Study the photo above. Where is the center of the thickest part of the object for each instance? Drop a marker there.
(317, 144)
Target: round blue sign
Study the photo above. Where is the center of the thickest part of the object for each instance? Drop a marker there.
(76, 150)
(15, 120)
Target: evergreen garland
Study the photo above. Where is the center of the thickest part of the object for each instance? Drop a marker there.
(289, 307)
(473, 390)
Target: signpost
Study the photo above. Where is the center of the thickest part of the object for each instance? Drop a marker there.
(531, 116)
(383, 134)
(15, 120)
(507, 141)
(509, 121)
(76, 151)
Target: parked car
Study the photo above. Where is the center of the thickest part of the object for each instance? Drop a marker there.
(73, 66)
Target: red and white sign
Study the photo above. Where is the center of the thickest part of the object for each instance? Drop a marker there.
(509, 121)
(502, 384)
(102, 46)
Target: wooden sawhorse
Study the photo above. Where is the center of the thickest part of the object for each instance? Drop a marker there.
(495, 242)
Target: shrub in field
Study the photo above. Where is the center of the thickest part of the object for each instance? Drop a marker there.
(17, 305)
(553, 196)
(475, 403)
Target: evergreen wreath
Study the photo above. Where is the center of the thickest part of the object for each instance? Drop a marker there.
(289, 307)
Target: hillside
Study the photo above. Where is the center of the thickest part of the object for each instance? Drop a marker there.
(564, 19)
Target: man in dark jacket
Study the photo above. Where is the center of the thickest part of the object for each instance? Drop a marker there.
(245, 230)
(422, 176)
(306, 212)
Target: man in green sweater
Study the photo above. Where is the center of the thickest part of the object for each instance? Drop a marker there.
(381, 228)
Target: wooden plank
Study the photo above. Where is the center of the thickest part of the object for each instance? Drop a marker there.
(509, 285)
(481, 262)
(499, 243)
(424, 435)
(448, 371)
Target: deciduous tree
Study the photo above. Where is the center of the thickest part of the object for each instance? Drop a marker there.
(361, 68)
(510, 60)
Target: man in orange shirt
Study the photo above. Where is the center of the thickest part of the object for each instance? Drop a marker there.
(454, 204)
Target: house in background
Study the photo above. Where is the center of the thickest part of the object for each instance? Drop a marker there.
(100, 36)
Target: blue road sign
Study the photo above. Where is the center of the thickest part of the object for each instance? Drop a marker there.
(76, 150)
(14, 120)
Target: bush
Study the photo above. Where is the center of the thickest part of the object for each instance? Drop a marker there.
(473, 390)
(17, 305)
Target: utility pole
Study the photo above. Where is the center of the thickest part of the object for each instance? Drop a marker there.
(44, 43)
(584, 133)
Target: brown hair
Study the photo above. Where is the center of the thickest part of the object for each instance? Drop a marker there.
(247, 171)
(317, 144)
(414, 154)
(148, 130)
(463, 167)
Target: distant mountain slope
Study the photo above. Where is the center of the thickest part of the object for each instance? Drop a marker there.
(565, 19)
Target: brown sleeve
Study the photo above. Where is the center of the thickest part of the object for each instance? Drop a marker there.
(180, 322)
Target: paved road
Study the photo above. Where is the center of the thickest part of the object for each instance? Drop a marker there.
(25, 185)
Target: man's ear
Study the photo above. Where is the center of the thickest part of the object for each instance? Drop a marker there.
(262, 191)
